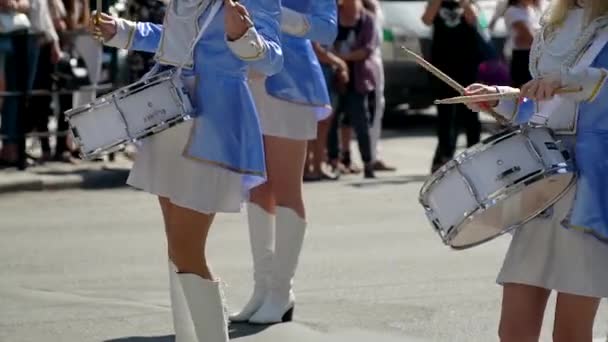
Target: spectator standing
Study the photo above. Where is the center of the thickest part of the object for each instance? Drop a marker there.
(522, 19)
(334, 70)
(355, 44)
(49, 54)
(20, 66)
(456, 51)
(377, 101)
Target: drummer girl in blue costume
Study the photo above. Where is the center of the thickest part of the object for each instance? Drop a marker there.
(290, 103)
(567, 249)
(208, 164)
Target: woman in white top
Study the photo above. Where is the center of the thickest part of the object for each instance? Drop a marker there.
(566, 248)
(522, 19)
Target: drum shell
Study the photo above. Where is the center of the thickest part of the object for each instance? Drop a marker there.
(474, 189)
(130, 113)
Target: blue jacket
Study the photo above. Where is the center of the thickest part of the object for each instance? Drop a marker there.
(589, 212)
(301, 80)
(226, 130)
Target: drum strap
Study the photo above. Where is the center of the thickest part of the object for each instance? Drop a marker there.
(585, 61)
(217, 4)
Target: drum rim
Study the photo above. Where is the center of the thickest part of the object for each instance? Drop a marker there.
(140, 136)
(483, 146)
(104, 100)
(507, 192)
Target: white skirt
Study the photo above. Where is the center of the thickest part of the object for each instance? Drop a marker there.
(545, 254)
(161, 169)
(280, 118)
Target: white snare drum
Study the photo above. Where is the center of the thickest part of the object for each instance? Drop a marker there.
(496, 186)
(129, 114)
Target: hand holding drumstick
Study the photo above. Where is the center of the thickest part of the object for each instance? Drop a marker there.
(102, 26)
(479, 96)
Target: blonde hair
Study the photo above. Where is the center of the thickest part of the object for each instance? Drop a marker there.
(559, 10)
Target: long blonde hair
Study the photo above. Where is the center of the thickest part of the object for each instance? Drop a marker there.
(558, 10)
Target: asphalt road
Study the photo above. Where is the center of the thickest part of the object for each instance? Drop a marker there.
(91, 266)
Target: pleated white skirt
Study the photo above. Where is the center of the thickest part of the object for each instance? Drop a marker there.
(545, 254)
(161, 169)
(281, 118)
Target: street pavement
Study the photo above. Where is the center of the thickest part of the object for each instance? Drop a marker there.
(90, 265)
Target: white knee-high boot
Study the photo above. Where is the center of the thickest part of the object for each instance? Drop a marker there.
(261, 237)
(182, 323)
(198, 309)
(279, 302)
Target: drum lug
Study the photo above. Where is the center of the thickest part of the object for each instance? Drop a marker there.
(508, 172)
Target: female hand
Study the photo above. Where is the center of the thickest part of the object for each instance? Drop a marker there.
(481, 89)
(542, 89)
(102, 28)
(236, 20)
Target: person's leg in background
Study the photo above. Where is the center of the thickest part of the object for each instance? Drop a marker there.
(4, 50)
(333, 141)
(357, 107)
(317, 149)
(9, 110)
(64, 150)
(471, 123)
(377, 107)
(446, 135)
(346, 165)
(40, 108)
(26, 50)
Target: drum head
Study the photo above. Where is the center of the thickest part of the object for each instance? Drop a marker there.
(518, 207)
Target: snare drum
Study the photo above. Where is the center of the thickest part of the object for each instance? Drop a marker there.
(497, 185)
(131, 113)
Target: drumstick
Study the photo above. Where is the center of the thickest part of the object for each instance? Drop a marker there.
(447, 79)
(433, 70)
(98, 11)
(496, 97)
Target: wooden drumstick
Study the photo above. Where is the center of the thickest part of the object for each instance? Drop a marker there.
(496, 97)
(98, 11)
(447, 79)
(435, 71)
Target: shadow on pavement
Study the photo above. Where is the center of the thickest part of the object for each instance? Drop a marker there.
(168, 338)
(237, 330)
(94, 179)
(398, 180)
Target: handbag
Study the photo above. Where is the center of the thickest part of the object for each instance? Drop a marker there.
(13, 21)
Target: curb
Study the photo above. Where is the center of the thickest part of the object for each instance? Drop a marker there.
(91, 179)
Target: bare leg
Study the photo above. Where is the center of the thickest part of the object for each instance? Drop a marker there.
(285, 161)
(574, 316)
(187, 232)
(523, 308)
(262, 195)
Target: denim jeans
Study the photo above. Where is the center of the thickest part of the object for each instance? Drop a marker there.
(355, 106)
(20, 69)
